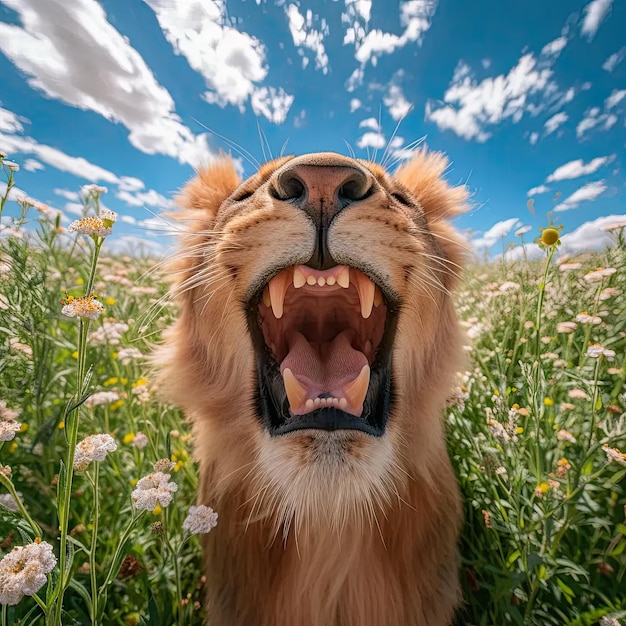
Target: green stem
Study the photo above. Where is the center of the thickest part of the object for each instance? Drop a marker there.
(8, 485)
(71, 430)
(10, 184)
(94, 545)
(115, 564)
(179, 588)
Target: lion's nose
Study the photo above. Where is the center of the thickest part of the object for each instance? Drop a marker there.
(322, 191)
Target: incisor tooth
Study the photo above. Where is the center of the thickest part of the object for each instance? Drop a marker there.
(321, 281)
(343, 277)
(331, 280)
(311, 280)
(366, 289)
(296, 392)
(298, 278)
(356, 391)
(277, 288)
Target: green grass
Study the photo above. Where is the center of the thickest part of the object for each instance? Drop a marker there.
(544, 540)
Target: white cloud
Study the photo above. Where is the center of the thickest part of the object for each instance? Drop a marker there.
(305, 36)
(538, 190)
(577, 168)
(70, 51)
(495, 233)
(615, 98)
(355, 104)
(136, 246)
(129, 189)
(75, 208)
(470, 107)
(149, 198)
(78, 166)
(555, 121)
(371, 140)
(397, 105)
(10, 122)
(614, 60)
(232, 63)
(32, 165)
(67, 194)
(533, 138)
(273, 103)
(595, 12)
(415, 17)
(555, 47)
(370, 122)
(588, 237)
(586, 193)
(355, 80)
(601, 120)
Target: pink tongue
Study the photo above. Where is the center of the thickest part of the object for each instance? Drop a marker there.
(324, 368)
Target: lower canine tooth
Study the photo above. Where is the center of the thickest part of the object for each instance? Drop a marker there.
(296, 392)
(356, 391)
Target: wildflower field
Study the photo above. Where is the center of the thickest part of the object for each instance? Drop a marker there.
(97, 480)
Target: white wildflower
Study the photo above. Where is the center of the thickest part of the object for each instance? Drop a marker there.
(609, 621)
(126, 355)
(595, 351)
(566, 327)
(570, 267)
(140, 440)
(585, 318)
(498, 431)
(88, 307)
(102, 397)
(8, 414)
(8, 428)
(23, 571)
(9, 502)
(101, 225)
(600, 274)
(200, 520)
(565, 435)
(109, 333)
(12, 165)
(615, 455)
(93, 448)
(93, 189)
(523, 230)
(152, 490)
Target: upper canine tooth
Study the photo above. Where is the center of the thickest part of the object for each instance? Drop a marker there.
(366, 289)
(356, 391)
(343, 277)
(299, 279)
(277, 288)
(296, 391)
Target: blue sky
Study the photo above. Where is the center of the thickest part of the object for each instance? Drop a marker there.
(527, 98)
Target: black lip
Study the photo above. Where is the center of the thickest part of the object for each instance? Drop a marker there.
(271, 399)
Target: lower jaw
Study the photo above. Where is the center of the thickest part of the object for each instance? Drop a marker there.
(328, 419)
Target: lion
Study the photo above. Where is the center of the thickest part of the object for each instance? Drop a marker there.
(315, 345)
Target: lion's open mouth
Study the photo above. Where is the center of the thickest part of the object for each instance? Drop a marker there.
(323, 344)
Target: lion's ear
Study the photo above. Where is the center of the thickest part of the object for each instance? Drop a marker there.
(422, 176)
(211, 186)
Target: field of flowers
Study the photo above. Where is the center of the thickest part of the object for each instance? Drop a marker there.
(97, 482)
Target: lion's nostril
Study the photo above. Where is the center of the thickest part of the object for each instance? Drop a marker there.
(357, 188)
(290, 187)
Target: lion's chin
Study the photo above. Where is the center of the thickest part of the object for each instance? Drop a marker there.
(320, 479)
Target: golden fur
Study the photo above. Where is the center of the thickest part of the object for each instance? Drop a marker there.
(320, 528)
